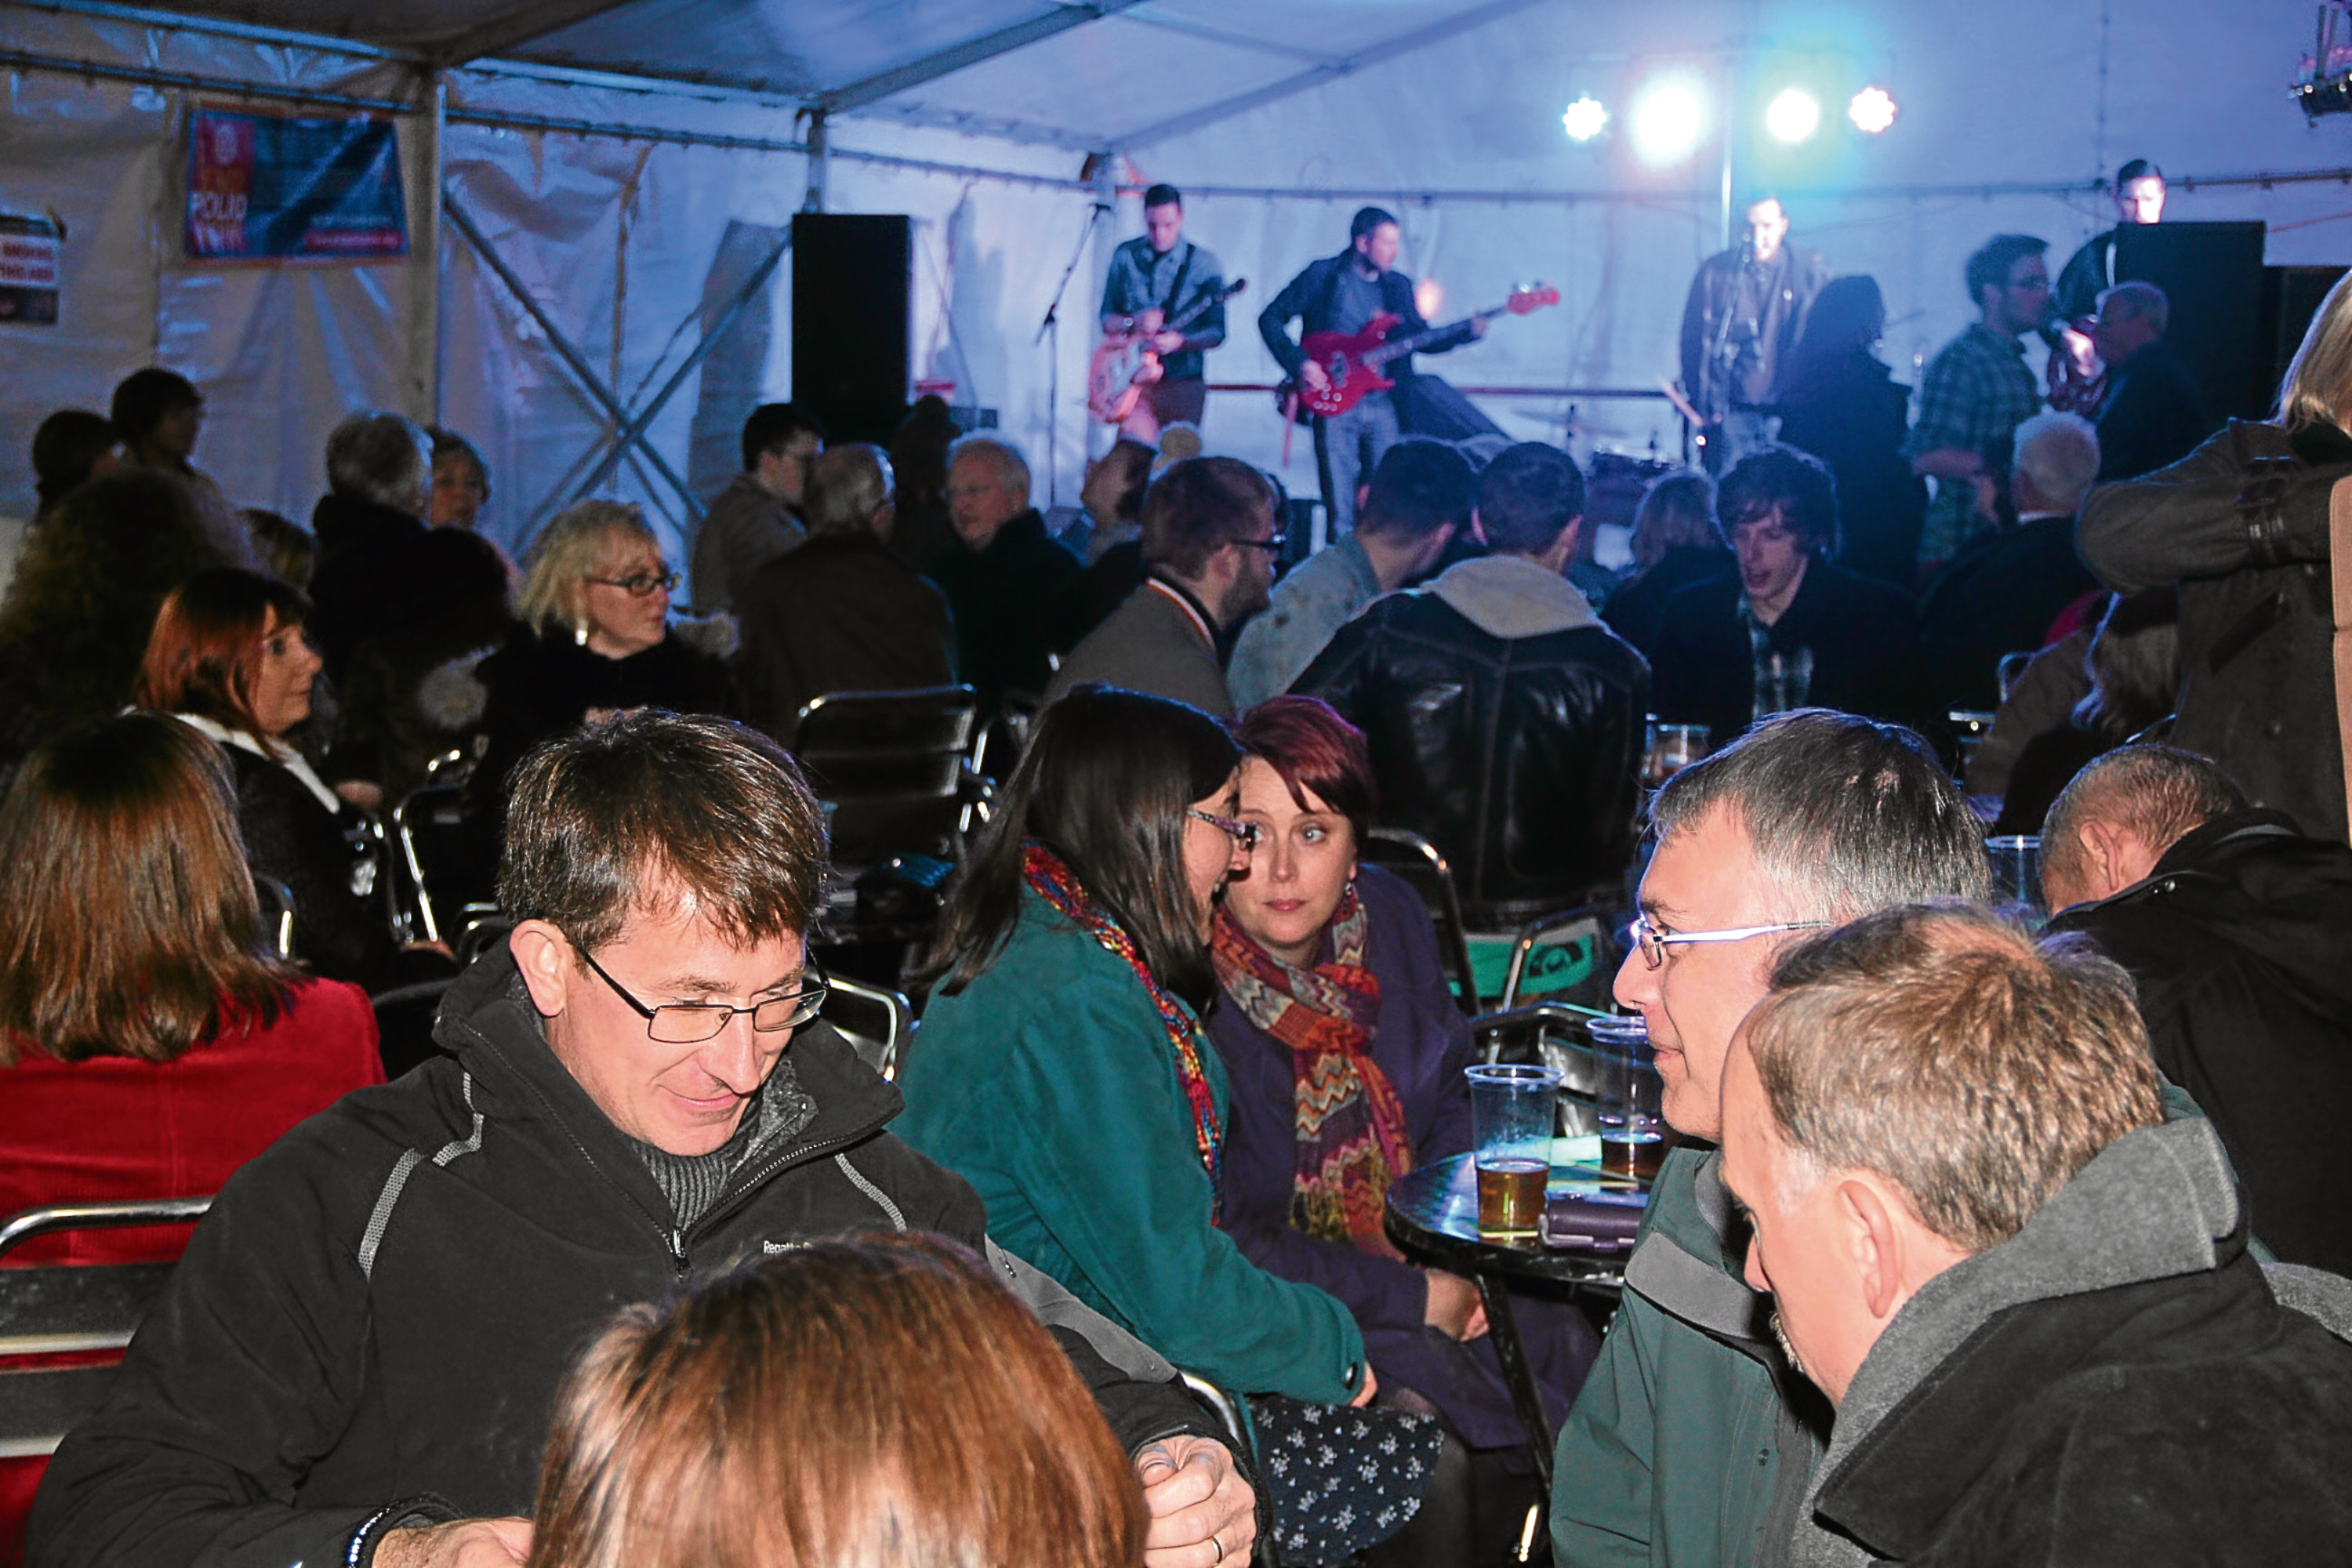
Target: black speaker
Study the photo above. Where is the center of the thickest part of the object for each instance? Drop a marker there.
(2291, 296)
(853, 289)
(2212, 273)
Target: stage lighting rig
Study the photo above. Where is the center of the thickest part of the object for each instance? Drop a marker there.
(1794, 116)
(1872, 110)
(1668, 120)
(2325, 86)
(1584, 119)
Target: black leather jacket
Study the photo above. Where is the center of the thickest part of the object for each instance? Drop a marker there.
(1517, 757)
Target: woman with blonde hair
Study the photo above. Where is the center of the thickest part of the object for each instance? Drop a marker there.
(1675, 545)
(877, 1402)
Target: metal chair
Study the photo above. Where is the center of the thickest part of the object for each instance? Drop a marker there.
(1228, 1412)
(893, 766)
(1418, 861)
(1566, 957)
(1550, 1033)
(277, 901)
(876, 1023)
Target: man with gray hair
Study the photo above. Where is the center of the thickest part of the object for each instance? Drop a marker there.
(2153, 413)
(2030, 1300)
(1005, 581)
(1690, 1425)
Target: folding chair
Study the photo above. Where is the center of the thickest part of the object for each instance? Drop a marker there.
(277, 901)
(1550, 1033)
(1417, 860)
(893, 766)
(1567, 957)
(876, 1023)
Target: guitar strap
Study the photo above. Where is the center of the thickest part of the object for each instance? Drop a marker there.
(1176, 289)
(2339, 566)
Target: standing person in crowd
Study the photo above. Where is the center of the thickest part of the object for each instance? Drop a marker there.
(2139, 193)
(1421, 496)
(2242, 525)
(1341, 294)
(1064, 1074)
(2132, 666)
(1740, 327)
(758, 516)
(72, 448)
(1006, 575)
(841, 613)
(919, 461)
(1112, 496)
(1789, 629)
(1504, 719)
(2154, 415)
(149, 1047)
(2032, 1303)
(1155, 278)
(1346, 1049)
(357, 1359)
(1976, 392)
(1210, 536)
(461, 481)
(1840, 401)
(159, 414)
(1693, 1426)
(1675, 545)
(282, 547)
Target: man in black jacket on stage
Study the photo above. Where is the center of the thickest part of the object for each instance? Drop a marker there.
(356, 1361)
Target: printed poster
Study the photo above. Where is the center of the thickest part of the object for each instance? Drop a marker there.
(272, 188)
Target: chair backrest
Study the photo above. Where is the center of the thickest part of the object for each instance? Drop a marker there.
(892, 765)
(875, 1022)
(277, 902)
(1550, 1033)
(428, 826)
(1567, 957)
(1417, 860)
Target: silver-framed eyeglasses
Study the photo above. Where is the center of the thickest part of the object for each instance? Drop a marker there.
(692, 1023)
(1653, 942)
(641, 583)
(1244, 834)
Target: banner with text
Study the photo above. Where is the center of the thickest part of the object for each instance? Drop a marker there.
(269, 187)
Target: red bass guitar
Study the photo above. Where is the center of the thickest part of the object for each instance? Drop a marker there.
(1354, 363)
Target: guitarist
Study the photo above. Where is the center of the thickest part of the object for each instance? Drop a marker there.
(1341, 294)
(1152, 277)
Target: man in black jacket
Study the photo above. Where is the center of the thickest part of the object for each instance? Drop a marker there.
(1007, 577)
(356, 1360)
(2154, 415)
(2238, 930)
(1505, 721)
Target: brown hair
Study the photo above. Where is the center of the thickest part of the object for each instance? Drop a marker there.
(133, 928)
(1947, 1051)
(877, 1401)
(1199, 506)
(1312, 748)
(2160, 792)
(599, 819)
(205, 654)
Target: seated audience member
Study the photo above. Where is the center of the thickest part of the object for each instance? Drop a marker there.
(1504, 719)
(2043, 693)
(1345, 1048)
(2030, 1301)
(1675, 545)
(72, 448)
(2001, 592)
(461, 481)
(1840, 401)
(1210, 536)
(2132, 664)
(1004, 578)
(158, 414)
(841, 613)
(918, 462)
(357, 1359)
(2237, 930)
(1692, 1423)
(1062, 1073)
(826, 1406)
(758, 516)
(1789, 629)
(1422, 495)
(148, 1047)
(1112, 537)
(2154, 415)
(283, 548)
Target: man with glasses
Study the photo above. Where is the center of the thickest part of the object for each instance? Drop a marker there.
(1692, 1428)
(356, 1362)
(1210, 538)
(1978, 391)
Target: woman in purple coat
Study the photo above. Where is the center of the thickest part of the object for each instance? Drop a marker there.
(1345, 1050)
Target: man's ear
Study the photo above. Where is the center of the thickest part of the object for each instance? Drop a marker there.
(544, 955)
(1477, 528)
(2117, 855)
(1875, 1245)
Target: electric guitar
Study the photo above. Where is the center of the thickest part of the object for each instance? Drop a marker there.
(1353, 363)
(1125, 362)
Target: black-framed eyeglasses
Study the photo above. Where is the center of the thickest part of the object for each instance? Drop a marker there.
(1245, 833)
(642, 583)
(692, 1023)
(1653, 942)
(1272, 543)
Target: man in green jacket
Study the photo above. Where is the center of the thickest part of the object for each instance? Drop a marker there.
(1692, 1430)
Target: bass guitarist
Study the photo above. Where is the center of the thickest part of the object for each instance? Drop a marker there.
(1152, 277)
(1341, 294)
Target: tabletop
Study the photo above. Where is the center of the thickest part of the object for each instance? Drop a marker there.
(1434, 1212)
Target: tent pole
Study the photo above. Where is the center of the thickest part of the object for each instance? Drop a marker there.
(820, 160)
(422, 389)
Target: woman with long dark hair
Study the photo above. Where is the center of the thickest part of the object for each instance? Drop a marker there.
(1841, 404)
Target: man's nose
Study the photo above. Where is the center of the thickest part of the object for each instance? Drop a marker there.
(733, 1056)
(1636, 985)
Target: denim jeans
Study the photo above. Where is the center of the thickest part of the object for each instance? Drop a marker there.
(1349, 448)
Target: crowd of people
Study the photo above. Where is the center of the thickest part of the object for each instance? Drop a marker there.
(1978, 1241)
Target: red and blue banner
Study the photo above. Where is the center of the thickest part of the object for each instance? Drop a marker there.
(269, 187)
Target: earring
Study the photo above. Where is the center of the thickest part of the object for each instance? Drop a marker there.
(580, 634)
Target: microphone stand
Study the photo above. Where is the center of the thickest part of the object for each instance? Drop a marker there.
(1051, 327)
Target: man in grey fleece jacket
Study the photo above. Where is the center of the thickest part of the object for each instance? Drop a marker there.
(2030, 1299)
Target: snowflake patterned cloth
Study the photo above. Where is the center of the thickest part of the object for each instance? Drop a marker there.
(1340, 1480)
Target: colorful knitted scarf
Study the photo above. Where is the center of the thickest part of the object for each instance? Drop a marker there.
(1352, 1140)
(1054, 882)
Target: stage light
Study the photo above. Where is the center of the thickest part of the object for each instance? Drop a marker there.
(1872, 110)
(1668, 120)
(1794, 116)
(1585, 119)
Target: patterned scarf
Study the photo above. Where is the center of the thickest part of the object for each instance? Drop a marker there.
(1351, 1130)
(1054, 882)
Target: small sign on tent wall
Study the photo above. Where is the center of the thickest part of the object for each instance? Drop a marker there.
(282, 187)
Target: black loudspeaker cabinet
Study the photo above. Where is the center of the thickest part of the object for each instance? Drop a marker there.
(2212, 275)
(853, 289)
(2291, 296)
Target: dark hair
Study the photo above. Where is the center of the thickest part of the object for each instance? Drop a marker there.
(2161, 793)
(66, 446)
(605, 821)
(449, 444)
(2137, 169)
(205, 654)
(1776, 476)
(1163, 195)
(919, 453)
(1420, 485)
(1312, 749)
(1105, 784)
(143, 398)
(1365, 220)
(1197, 508)
(1847, 316)
(772, 427)
(2134, 663)
(1133, 458)
(289, 550)
(1527, 495)
(1989, 267)
(130, 929)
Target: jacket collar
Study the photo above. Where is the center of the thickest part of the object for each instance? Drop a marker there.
(1511, 597)
(1688, 1264)
(1186, 603)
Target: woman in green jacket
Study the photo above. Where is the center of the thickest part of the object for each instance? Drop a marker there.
(1062, 1071)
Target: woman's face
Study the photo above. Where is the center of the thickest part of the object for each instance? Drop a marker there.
(1211, 854)
(1304, 859)
(458, 491)
(281, 687)
(626, 608)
